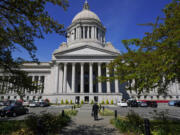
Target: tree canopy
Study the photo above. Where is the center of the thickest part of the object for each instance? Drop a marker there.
(21, 21)
(155, 63)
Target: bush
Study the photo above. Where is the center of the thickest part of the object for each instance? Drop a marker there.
(82, 102)
(67, 102)
(62, 102)
(112, 102)
(102, 102)
(71, 102)
(7, 127)
(23, 131)
(70, 112)
(46, 123)
(92, 102)
(107, 102)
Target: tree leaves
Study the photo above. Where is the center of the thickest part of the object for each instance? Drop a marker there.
(155, 62)
(21, 21)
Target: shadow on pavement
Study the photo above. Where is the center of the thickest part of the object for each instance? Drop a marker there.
(88, 130)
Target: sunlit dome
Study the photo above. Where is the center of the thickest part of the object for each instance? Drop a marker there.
(85, 14)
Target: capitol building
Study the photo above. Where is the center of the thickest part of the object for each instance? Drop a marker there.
(72, 74)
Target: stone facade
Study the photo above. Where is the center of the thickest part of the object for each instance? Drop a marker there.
(72, 73)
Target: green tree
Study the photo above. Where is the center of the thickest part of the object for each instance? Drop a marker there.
(21, 21)
(155, 62)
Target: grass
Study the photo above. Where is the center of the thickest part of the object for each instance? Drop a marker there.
(106, 112)
(70, 112)
(30, 126)
(7, 127)
(133, 124)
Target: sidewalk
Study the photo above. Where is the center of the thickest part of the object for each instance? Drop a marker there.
(84, 124)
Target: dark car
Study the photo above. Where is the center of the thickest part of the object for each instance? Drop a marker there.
(177, 104)
(43, 104)
(132, 103)
(13, 111)
(151, 103)
(142, 104)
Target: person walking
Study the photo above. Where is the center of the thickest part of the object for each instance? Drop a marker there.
(95, 110)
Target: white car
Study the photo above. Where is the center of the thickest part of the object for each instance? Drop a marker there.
(122, 104)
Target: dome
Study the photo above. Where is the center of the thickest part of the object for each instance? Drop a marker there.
(86, 14)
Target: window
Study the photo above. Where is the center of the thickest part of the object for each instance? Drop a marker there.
(81, 32)
(86, 31)
(90, 32)
(97, 32)
(74, 34)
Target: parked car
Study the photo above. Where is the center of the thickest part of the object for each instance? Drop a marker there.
(34, 104)
(25, 103)
(1, 103)
(172, 103)
(132, 103)
(177, 104)
(142, 104)
(13, 111)
(122, 104)
(151, 103)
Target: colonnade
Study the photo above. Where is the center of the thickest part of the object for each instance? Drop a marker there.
(87, 32)
(61, 78)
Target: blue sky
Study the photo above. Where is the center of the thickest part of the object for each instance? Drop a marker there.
(120, 17)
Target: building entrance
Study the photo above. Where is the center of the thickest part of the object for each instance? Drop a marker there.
(86, 99)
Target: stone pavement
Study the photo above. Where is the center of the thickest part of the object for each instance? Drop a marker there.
(84, 124)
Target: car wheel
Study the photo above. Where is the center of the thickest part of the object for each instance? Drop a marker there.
(14, 114)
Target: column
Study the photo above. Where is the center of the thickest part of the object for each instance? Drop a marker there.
(87, 32)
(82, 78)
(57, 78)
(92, 32)
(95, 32)
(73, 77)
(91, 77)
(108, 82)
(39, 85)
(65, 78)
(60, 78)
(33, 80)
(99, 74)
(116, 81)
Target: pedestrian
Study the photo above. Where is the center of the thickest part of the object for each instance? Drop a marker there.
(95, 110)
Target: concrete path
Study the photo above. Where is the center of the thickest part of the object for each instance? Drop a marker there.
(84, 124)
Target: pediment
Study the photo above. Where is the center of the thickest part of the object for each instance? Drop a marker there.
(86, 51)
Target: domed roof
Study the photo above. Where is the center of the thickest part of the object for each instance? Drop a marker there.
(85, 14)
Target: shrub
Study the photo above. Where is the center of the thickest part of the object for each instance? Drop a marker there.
(102, 102)
(136, 122)
(46, 123)
(62, 102)
(82, 102)
(92, 102)
(112, 102)
(47, 100)
(107, 102)
(71, 102)
(67, 102)
(23, 131)
(7, 127)
(70, 112)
